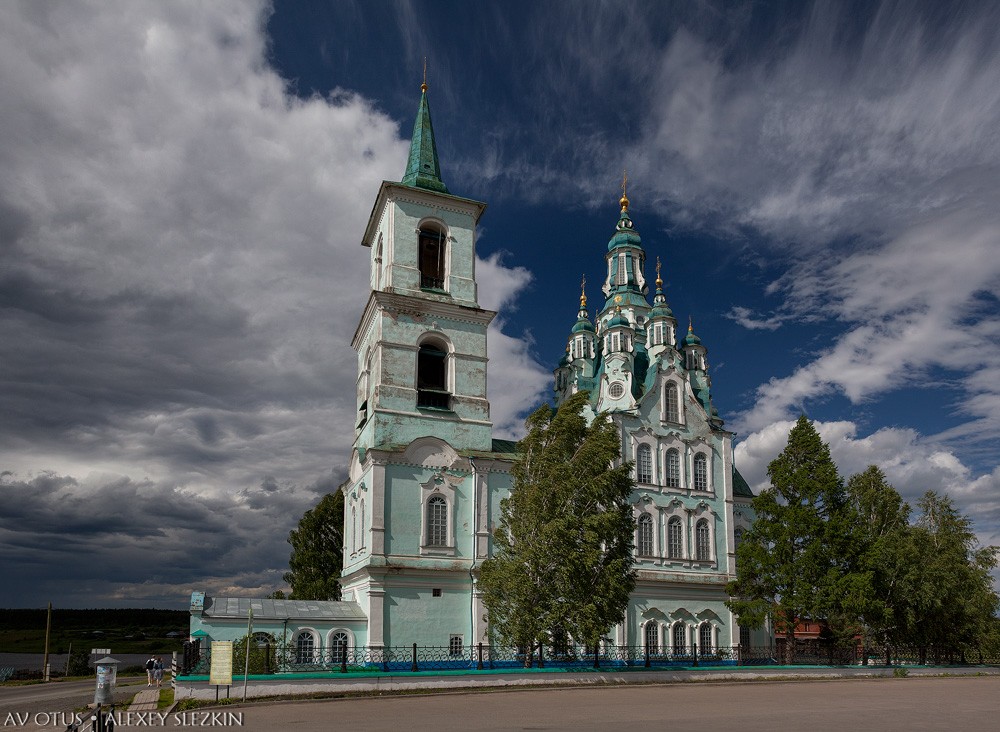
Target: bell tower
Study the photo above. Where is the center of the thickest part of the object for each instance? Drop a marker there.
(421, 342)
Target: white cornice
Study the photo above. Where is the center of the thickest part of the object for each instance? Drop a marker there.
(442, 201)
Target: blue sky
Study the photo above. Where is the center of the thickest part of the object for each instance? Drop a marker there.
(185, 187)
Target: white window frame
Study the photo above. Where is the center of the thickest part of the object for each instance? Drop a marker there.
(639, 539)
(699, 479)
(676, 648)
(647, 449)
(703, 551)
(678, 521)
(679, 472)
(331, 636)
(654, 647)
(706, 626)
(437, 486)
(314, 648)
(677, 415)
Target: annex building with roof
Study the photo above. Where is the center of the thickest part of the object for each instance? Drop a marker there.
(426, 476)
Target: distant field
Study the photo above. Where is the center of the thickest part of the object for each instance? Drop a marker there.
(123, 630)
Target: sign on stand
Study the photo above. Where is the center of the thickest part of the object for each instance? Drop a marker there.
(221, 673)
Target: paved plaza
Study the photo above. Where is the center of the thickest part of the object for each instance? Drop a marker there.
(967, 704)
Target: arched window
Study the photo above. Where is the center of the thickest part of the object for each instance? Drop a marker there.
(354, 529)
(437, 522)
(432, 377)
(652, 637)
(674, 538)
(705, 639)
(702, 540)
(672, 403)
(644, 464)
(673, 468)
(304, 647)
(680, 640)
(378, 264)
(338, 647)
(644, 546)
(263, 639)
(700, 472)
(738, 537)
(432, 258)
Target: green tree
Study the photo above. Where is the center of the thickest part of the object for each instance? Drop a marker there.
(263, 658)
(317, 551)
(879, 554)
(789, 565)
(950, 600)
(563, 548)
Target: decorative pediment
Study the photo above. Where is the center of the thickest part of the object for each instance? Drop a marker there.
(430, 452)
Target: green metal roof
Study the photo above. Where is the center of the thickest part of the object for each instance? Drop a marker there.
(740, 486)
(422, 167)
(508, 447)
(268, 609)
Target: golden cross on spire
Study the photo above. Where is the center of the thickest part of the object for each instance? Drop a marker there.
(690, 324)
(658, 280)
(624, 199)
(423, 87)
(583, 293)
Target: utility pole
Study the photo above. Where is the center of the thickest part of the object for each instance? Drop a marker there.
(48, 630)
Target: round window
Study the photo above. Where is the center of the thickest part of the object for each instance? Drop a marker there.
(617, 390)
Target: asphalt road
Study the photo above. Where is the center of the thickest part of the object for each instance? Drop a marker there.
(967, 704)
(52, 702)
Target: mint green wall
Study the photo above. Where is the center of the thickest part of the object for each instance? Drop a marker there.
(225, 629)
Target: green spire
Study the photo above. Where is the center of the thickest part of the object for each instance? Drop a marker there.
(422, 168)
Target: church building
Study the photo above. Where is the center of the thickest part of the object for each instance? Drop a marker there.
(426, 476)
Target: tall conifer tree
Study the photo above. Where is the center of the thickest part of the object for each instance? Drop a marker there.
(790, 562)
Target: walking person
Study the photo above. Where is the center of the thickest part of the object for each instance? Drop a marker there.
(150, 664)
(158, 671)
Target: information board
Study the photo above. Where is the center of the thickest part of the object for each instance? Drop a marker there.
(221, 673)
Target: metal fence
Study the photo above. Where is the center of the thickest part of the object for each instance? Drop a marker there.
(280, 658)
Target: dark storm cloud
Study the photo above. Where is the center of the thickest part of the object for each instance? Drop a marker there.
(180, 278)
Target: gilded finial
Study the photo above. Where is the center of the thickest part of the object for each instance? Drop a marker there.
(659, 282)
(690, 325)
(423, 87)
(624, 199)
(583, 293)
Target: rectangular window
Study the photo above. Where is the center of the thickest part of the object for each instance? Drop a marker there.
(644, 464)
(455, 645)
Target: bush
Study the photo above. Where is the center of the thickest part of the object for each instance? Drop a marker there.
(79, 664)
(263, 658)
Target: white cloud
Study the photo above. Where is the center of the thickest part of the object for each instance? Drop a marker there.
(181, 263)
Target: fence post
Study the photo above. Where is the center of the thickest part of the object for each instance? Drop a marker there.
(739, 655)
(694, 653)
(413, 666)
(647, 655)
(541, 657)
(343, 658)
(479, 654)
(597, 653)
